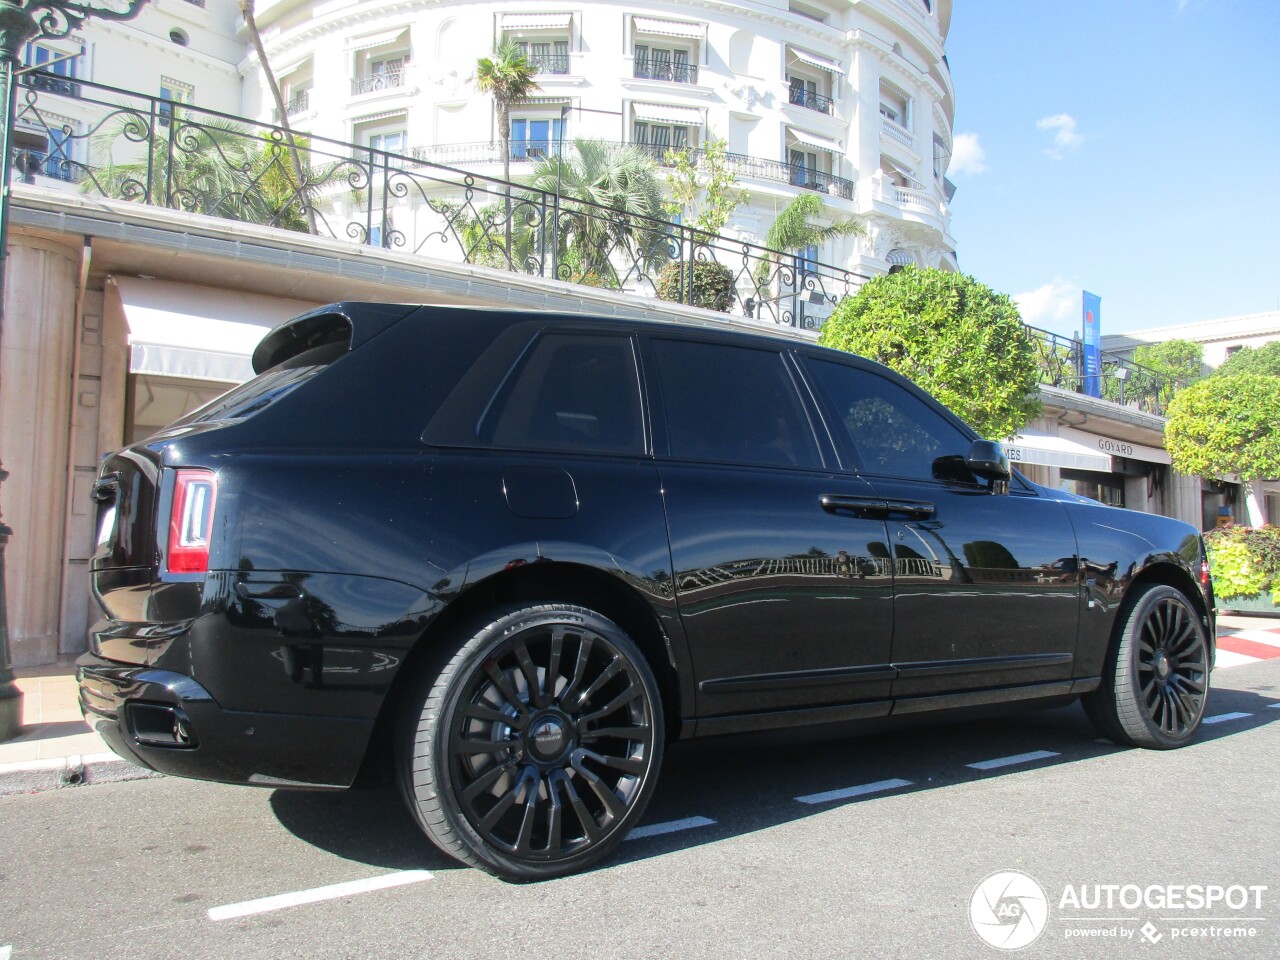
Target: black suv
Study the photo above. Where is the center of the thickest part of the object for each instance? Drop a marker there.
(527, 549)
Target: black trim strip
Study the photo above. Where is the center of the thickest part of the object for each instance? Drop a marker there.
(799, 678)
(930, 668)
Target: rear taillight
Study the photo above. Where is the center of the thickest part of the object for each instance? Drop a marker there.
(1205, 578)
(191, 521)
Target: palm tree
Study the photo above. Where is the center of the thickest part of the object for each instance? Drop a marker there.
(507, 76)
(605, 177)
(794, 229)
(251, 23)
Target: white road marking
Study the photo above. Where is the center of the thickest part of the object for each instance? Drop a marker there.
(671, 826)
(1274, 706)
(1015, 759)
(6, 952)
(1224, 717)
(266, 904)
(861, 790)
(1229, 658)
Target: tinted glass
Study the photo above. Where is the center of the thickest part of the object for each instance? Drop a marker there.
(892, 431)
(734, 404)
(571, 392)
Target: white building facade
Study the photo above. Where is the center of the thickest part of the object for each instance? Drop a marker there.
(852, 100)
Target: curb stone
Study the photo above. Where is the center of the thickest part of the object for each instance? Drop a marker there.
(57, 773)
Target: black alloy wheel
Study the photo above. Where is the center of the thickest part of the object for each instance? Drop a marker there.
(1157, 685)
(538, 746)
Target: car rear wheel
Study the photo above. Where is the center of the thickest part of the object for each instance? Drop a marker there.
(535, 750)
(1156, 683)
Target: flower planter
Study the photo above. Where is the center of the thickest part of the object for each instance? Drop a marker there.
(1258, 605)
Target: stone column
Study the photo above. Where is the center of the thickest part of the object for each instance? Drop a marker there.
(36, 355)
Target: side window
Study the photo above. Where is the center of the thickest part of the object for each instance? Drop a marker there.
(573, 392)
(735, 404)
(891, 431)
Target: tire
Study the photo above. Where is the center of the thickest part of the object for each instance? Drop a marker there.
(1155, 685)
(536, 748)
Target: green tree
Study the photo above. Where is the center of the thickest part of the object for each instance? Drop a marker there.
(1264, 359)
(797, 227)
(703, 189)
(621, 178)
(1180, 361)
(951, 335)
(1228, 424)
(507, 76)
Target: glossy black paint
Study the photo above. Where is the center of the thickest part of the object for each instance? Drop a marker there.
(362, 517)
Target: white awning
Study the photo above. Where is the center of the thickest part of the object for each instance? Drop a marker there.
(381, 39)
(665, 113)
(817, 142)
(1118, 448)
(1031, 446)
(200, 333)
(668, 28)
(815, 60)
(536, 21)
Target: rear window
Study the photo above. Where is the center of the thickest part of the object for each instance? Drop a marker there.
(266, 388)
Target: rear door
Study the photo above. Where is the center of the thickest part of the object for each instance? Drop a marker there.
(986, 594)
(780, 563)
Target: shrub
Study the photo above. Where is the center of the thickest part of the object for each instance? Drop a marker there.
(1245, 561)
(712, 284)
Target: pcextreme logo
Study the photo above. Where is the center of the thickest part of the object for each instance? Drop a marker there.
(1009, 910)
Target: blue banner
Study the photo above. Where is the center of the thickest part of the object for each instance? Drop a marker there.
(1092, 341)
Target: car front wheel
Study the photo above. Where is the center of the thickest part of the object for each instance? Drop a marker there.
(535, 750)
(1155, 686)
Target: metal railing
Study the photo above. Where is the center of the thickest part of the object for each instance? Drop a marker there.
(550, 63)
(374, 82)
(811, 101)
(647, 68)
(154, 151)
(1121, 380)
(297, 105)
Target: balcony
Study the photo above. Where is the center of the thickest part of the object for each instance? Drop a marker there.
(377, 82)
(651, 69)
(811, 101)
(550, 64)
(895, 131)
(30, 164)
(299, 104)
(50, 83)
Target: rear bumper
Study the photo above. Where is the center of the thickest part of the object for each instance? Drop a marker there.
(168, 722)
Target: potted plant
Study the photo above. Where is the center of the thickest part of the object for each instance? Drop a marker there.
(1245, 563)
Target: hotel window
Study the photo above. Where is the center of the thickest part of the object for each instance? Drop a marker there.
(546, 56)
(380, 62)
(46, 58)
(535, 137)
(544, 38)
(940, 156)
(895, 105)
(658, 138)
(177, 92)
(666, 49)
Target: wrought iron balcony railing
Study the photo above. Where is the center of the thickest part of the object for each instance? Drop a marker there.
(1122, 381)
(29, 164)
(554, 63)
(811, 101)
(375, 82)
(647, 68)
(299, 104)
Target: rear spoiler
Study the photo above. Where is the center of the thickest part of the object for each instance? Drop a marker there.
(352, 323)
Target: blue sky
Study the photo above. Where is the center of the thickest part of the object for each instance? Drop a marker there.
(1126, 147)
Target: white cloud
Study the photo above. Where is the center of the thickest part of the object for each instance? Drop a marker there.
(967, 155)
(1065, 135)
(1055, 306)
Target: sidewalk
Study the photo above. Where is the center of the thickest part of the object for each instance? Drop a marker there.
(57, 748)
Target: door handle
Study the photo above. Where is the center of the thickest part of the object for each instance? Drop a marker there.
(911, 509)
(869, 508)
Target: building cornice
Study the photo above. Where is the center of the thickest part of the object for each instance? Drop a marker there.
(133, 35)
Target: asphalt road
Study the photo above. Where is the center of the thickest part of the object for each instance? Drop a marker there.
(146, 868)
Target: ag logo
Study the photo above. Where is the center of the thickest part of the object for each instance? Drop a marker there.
(1008, 910)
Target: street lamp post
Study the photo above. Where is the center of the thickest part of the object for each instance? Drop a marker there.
(22, 21)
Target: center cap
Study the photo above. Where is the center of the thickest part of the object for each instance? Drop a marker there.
(547, 740)
(1162, 665)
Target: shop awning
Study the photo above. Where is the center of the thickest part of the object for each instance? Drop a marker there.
(1118, 448)
(816, 60)
(817, 142)
(199, 333)
(1031, 446)
(536, 21)
(665, 113)
(668, 28)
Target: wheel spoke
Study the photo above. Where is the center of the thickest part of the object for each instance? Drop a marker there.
(480, 711)
(499, 681)
(632, 766)
(607, 674)
(553, 665)
(579, 668)
(521, 650)
(469, 748)
(602, 790)
(639, 732)
(530, 813)
(555, 816)
(626, 696)
(485, 781)
(505, 803)
(588, 822)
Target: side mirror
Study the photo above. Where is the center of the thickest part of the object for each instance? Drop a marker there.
(987, 459)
